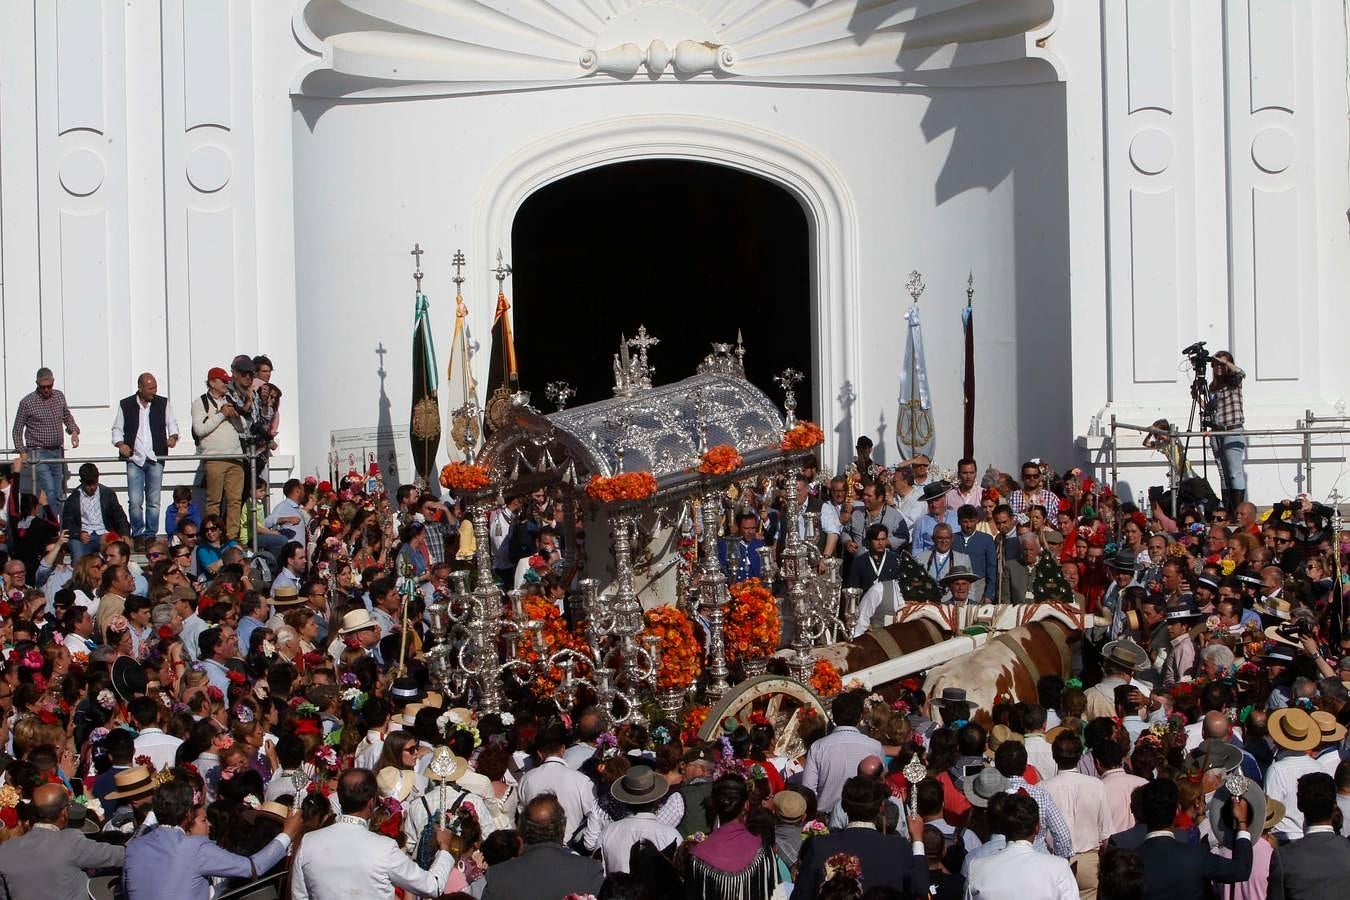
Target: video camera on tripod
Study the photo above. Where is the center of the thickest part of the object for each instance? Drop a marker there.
(1199, 357)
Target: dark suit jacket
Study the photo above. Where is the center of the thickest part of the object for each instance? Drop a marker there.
(544, 872)
(983, 558)
(861, 574)
(114, 519)
(751, 567)
(1178, 871)
(1316, 866)
(887, 859)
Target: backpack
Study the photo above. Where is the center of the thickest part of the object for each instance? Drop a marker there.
(426, 841)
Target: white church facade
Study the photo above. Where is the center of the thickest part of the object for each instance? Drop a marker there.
(184, 180)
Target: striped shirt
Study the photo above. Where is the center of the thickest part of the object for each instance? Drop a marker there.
(1052, 820)
(39, 421)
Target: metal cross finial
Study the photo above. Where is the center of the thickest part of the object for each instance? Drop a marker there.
(970, 289)
(416, 253)
(643, 341)
(915, 285)
(458, 262)
(503, 270)
(787, 380)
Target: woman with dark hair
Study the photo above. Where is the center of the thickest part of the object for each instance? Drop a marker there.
(736, 861)
(212, 544)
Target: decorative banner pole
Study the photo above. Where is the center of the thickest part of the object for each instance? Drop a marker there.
(968, 383)
(465, 425)
(914, 418)
(424, 430)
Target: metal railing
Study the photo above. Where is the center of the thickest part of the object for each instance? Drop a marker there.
(1112, 456)
(248, 458)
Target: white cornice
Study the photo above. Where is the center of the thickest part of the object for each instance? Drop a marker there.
(396, 48)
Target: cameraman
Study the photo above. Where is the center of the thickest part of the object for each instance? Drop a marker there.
(221, 419)
(1225, 412)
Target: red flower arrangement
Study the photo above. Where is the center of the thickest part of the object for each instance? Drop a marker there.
(556, 637)
(693, 721)
(752, 628)
(463, 477)
(681, 653)
(803, 436)
(720, 460)
(626, 486)
(825, 679)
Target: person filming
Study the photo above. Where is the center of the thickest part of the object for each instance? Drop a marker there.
(1225, 410)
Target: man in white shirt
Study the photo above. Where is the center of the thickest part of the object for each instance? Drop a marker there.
(574, 791)
(347, 859)
(144, 431)
(1039, 753)
(289, 517)
(1018, 872)
(151, 740)
(1298, 735)
(1082, 800)
(834, 759)
(640, 789)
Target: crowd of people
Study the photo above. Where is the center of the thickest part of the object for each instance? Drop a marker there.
(183, 717)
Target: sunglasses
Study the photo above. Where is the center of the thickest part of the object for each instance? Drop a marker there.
(211, 528)
(154, 554)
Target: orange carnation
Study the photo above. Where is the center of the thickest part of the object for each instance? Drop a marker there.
(751, 627)
(626, 486)
(681, 653)
(803, 436)
(463, 477)
(720, 460)
(693, 721)
(556, 637)
(825, 679)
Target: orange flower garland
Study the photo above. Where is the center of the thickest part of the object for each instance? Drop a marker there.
(556, 637)
(681, 653)
(825, 679)
(803, 436)
(627, 486)
(693, 721)
(752, 628)
(463, 477)
(720, 460)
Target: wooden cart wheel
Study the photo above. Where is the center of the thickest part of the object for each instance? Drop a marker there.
(780, 699)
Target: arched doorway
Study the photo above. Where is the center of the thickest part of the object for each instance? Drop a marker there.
(692, 250)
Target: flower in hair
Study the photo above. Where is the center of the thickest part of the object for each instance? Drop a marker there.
(106, 699)
(244, 713)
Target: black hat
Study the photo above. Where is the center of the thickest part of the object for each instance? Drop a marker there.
(1124, 561)
(128, 678)
(1182, 612)
(1207, 581)
(243, 363)
(932, 490)
(406, 690)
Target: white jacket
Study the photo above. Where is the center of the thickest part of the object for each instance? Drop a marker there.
(345, 860)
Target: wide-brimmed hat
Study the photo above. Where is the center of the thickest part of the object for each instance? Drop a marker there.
(287, 595)
(1333, 732)
(639, 786)
(984, 785)
(396, 783)
(952, 695)
(357, 620)
(409, 716)
(1125, 652)
(406, 690)
(445, 765)
(1272, 607)
(958, 573)
(132, 782)
(273, 810)
(434, 700)
(1124, 561)
(932, 490)
(1274, 813)
(1221, 821)
(1182, 612)
(1001, 734)
(1207, 581)
(1216, 754)
(128, 678)
(1280, 655)
(1249, 578)
(1283, 634)
(1293, 729)
(790, 806)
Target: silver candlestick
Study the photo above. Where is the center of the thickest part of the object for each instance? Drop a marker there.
(713, 595)
(787, 380)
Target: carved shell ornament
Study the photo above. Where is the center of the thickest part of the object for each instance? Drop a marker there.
(373, 48)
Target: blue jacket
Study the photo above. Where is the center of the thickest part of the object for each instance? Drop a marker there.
(983, 558)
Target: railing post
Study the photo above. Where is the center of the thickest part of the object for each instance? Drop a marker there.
(1173, 476)
(1307, 451)
(251, 460)
(1115, 472)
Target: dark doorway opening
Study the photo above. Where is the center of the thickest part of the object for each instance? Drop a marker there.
(692, 250)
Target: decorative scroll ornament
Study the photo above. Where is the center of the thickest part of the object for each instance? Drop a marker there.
(383, 48)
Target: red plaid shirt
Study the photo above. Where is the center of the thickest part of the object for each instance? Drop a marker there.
(39, 420)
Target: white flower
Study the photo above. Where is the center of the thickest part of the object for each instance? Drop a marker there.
(166, 700)
(93, 806)
(351, 694)
(106, 699)
(457, 717)
(442, 721)
(252, 801)
(269, 649)
(507, 719)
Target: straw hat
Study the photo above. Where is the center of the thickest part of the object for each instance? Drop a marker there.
(445, 766)
(132, 782)
(410, 714)
(1293, 729)
(1283, 634)
(357, 620)
(1001, 734)
(396, 783)
(273, 810)
(434, 700)
(1272, 607)
(287, 595)
(790, 806)
(639, 786)
(1333, 732)
(1274, 813)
